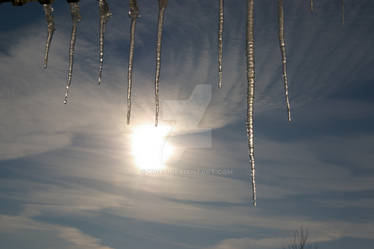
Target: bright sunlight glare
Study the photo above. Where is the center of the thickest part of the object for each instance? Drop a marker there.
(150, 148)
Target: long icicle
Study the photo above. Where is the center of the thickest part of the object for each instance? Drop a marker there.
(311, 5)
(104, 16)
(74, 9)
(51, 28)
(162, 7)
(251, 91)
(282, 44)
(133, 14)
(343, 14)
(220, 43)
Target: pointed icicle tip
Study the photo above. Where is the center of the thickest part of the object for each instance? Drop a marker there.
(282, 45)
(51, 28)
(220, 43)
(66, 95)
(74, 9)
(161, 13)
(104, 16)
(220, 78)
(251, 92)
(133, 14)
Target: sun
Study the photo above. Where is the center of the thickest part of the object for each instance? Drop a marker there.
(150, 148)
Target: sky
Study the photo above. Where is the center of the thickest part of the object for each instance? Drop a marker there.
(69, 178)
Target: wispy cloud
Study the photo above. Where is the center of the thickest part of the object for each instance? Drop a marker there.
(74, 160)
(16, 225)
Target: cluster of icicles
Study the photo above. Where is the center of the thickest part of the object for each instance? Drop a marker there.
(134, 14)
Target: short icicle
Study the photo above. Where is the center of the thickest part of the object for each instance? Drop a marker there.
(51, 28)
(74, 9)
(133, 14)
(162, 7)
(220, 43)
(104, 16)
(251, 91)
(282, 44)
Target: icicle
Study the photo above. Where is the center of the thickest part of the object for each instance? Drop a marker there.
(282, 44)
(251, 91)
(133, 13)
(51, 28)
(104, 16)
(311, 5)
(220, 43)
(162, 6)
(343, 14)
(74, 9)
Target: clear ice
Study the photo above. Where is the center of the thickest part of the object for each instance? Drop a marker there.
(251, 91)
(162, 7)
(104, 16)
(282, 44)
(74, 9)
(51, 28)
(133, 14)
(220, 43)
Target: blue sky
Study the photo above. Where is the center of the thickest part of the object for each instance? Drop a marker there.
(67, 175)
